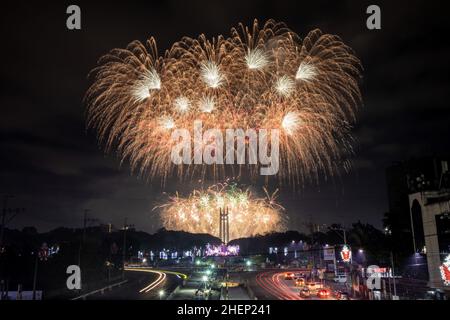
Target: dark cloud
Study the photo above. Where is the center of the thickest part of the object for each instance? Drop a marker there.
(56, 170)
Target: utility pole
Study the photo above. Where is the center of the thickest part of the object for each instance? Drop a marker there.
(86, 220)
(4, 212)
(83, 235)
(393, 274)
(344, 232)
(36, 265)
(124, 247)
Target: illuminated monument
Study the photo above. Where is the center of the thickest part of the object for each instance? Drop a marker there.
(224, 226)
(224, 249)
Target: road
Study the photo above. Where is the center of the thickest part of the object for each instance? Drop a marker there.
(143, 284)
(271, 285)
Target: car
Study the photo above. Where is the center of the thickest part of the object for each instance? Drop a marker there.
(288, 276)
(323, 293)
(305, 293)
(314, 286)
(300, 282)
(340, 278)
(341, 295)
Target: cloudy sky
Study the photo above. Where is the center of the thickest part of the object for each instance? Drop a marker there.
(55, 169)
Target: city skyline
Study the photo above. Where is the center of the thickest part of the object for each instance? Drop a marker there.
(55, 168)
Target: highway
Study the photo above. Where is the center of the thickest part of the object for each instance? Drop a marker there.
(143, 284)
(271, 285)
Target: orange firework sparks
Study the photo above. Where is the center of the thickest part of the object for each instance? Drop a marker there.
(258, 77)
(248, 215)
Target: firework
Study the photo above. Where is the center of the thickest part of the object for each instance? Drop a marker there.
(258, 77)
(199, 212)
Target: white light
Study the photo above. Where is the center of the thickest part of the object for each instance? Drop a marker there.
(167, 123)
(150, 81)
(284, 86)
(205, 278)
(182, 104)
(291, 122)
(161, 293)
(256, 59)
(305, 72)
(210, 73)
(207, 104)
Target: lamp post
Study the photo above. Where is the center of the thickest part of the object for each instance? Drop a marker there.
(205, 281)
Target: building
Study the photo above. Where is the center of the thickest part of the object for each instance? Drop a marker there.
(433, 207)
(405, 178)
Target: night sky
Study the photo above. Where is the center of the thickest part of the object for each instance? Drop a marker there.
(55, 168)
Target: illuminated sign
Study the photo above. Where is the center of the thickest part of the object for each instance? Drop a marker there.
(346, 254)
(445, 271)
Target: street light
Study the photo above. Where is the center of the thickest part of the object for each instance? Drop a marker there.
(248, 263)
(161, 294)
(361, 251)
(205, 280)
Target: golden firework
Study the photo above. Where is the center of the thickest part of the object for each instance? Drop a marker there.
(248, 215)
(258, 77)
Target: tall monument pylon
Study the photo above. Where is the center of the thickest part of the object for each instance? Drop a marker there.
(224, 226)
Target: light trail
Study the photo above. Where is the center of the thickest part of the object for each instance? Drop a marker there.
(154, 284)
(274, 283)
(162, 275)
(266, 280)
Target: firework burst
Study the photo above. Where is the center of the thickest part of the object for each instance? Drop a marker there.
(258, 77)
(248, 215)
